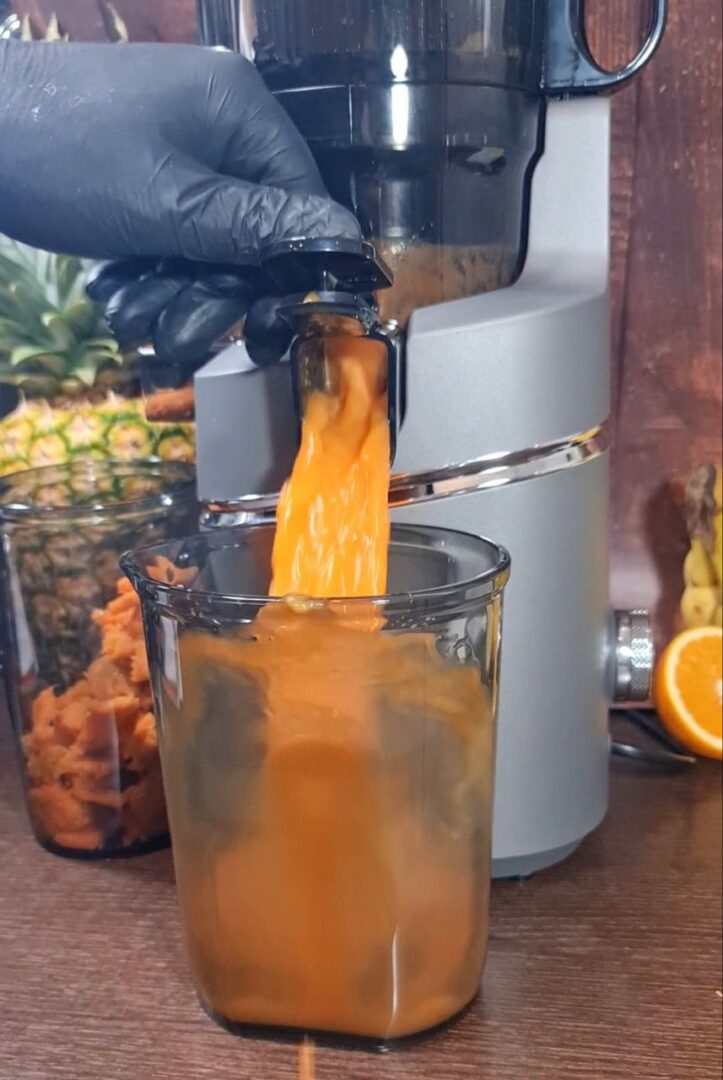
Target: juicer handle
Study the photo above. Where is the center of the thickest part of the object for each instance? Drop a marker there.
(570, 67)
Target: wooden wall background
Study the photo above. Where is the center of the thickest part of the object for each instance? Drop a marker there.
(666, 267)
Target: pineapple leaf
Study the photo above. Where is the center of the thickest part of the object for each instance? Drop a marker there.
(99, 358)
(20, 254)
(46, 366)
(23, 353)
(52, 30)
(115, 29)
(106, 344)
(43, 272)
(50, 365)
(69, 275)
(10, 269)
(30, 299)
(106, 364)
(61, 332)
(85, 371)
(10, 335)
(27, 323)
(31, 293)
(81, 316)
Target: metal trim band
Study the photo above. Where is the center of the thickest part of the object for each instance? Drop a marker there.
(498, 470)
(493, 471)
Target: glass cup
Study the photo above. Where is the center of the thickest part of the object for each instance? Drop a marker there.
(75, 665)
(328, 770)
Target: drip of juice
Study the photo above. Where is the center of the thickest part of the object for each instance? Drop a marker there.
(307, 1070)
(329, 782)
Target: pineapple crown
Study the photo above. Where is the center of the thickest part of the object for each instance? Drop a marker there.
(115, 29)
(52, 337)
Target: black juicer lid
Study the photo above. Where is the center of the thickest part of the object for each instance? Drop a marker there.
(325, 266)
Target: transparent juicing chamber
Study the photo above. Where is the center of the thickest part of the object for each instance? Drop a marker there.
(426, 119)
(328, 771)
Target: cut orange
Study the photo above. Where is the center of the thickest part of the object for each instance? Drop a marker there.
(689, 690)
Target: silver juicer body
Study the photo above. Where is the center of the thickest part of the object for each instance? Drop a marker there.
(505, 435)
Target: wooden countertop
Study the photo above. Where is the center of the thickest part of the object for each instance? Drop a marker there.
(606, 967)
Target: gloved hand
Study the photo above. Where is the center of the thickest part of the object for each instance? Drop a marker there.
(176, 158)
(184, 307)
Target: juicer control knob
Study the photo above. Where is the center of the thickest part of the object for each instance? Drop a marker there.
(634, 656)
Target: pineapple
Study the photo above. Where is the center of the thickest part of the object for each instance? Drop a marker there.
(702, 602)
(79, 392)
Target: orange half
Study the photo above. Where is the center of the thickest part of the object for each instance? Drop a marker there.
(689, 690)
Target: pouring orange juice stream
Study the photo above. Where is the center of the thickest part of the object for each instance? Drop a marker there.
(332, 886)
(332, 528)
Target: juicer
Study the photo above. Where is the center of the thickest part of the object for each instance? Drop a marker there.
(472, 140)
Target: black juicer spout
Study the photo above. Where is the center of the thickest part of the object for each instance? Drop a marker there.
(330, 288)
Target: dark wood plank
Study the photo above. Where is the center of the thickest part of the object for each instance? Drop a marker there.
(606, 967)
(669, 417)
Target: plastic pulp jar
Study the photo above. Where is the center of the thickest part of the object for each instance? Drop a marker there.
(328, 772)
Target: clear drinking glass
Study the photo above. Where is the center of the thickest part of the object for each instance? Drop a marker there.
(75, 662)
(328, 771)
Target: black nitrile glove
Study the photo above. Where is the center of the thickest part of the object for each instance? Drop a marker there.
(176, 160)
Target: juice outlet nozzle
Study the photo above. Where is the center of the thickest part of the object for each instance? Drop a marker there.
(329, 287)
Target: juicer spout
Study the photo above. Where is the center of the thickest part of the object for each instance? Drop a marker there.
(328, 291)
(330, 288)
